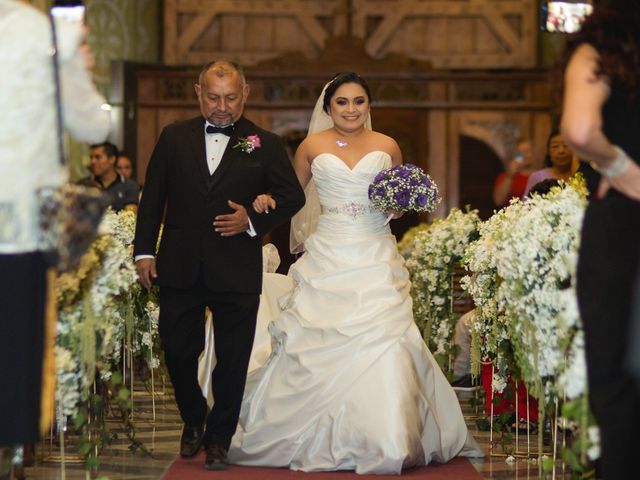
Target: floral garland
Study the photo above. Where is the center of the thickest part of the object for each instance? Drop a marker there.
(527, 322)
(97, 305)
(490, 333)
(523, 284)
(90, 323)
(437, 251)
(140, 309)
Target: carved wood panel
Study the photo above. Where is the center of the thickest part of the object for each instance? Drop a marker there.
(451, 33)
(248, 31)
(445, 33)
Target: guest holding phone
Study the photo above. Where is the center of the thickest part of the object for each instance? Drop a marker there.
(512, 182)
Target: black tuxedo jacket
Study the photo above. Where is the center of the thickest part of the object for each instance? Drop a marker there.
(178, 177)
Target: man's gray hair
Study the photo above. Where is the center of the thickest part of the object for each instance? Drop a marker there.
(222, 68)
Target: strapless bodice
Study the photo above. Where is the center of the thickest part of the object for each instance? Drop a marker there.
(343, 191)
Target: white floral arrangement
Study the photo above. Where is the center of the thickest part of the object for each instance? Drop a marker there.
(141, 309)
(522, 280)
(490, 339)
(436, 252)
(96, 307)
(523, 283)
(406, 245)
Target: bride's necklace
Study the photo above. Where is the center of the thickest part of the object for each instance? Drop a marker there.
(341, 142)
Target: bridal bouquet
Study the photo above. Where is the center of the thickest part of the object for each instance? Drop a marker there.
(403, 188)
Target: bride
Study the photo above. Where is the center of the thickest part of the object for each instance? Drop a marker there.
(350, 384)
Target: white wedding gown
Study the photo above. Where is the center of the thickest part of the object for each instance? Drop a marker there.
(350, 383)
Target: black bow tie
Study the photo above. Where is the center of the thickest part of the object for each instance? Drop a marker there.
(228, 130)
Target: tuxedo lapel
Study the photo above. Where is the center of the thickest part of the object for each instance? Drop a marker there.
(200, 150)
(230, 153)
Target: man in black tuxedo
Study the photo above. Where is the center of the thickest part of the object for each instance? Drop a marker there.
(207, 173)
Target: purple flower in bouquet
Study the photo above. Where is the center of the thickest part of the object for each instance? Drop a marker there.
(403, 197)
(403, 188)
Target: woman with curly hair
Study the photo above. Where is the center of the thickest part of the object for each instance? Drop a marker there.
(601, 124)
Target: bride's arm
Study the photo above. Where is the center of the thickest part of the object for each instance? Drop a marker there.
(302, 164)
(396, 154)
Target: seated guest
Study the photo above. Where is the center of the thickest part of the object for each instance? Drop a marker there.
(124, 165)
(561, 163)
(462, 362)
(122, 192)
(543, 187)
(512, 182)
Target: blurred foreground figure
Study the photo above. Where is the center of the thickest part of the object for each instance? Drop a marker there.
(29, 160)
(601, 124)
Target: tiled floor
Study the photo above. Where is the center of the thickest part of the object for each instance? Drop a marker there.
(162, 437)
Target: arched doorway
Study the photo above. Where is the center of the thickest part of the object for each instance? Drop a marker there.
(479, 167)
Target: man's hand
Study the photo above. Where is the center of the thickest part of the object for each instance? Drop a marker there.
(264, 203)
(147, 273)
(232, 223)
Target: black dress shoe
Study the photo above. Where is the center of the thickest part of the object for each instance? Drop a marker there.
(190, 441)
(216, 458)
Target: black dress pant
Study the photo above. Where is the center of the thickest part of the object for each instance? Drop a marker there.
(182, 332)
(22, 308)
(607, 267)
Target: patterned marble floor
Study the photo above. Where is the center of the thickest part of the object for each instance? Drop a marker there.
(162, 437)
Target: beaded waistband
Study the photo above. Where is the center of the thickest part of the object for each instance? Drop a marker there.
(350, 209)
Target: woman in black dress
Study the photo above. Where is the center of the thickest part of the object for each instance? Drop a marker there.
(601, 124)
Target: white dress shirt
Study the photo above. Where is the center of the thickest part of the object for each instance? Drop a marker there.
(216, 143)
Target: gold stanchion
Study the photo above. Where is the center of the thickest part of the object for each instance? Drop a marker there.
(517, 450)
(131, 393)
(528, 427)
(493, 369)
(153, 381)
(517, 453)
(61, 457)
(554, 438)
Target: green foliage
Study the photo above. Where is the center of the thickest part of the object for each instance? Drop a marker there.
(89, 422)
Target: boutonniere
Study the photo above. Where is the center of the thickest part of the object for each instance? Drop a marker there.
(248, 144)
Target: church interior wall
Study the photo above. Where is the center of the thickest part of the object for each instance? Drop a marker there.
(440, 70)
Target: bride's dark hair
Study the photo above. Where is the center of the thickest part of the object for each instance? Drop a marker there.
(339, 80)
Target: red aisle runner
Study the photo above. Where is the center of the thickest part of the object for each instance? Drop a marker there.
(193, 469)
